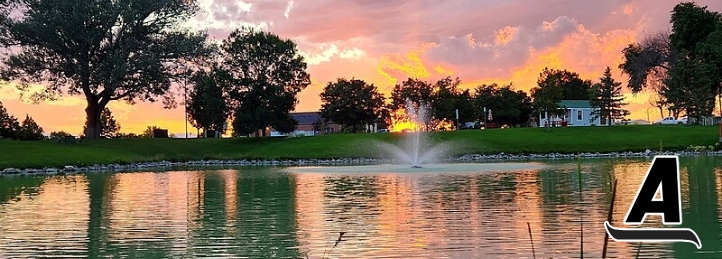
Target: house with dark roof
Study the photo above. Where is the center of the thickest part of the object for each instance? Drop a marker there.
(576, 113)
(310, 124)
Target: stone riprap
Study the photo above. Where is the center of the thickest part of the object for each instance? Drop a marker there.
(72, 169)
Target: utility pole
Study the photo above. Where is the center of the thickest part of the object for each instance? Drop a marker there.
(185, 103)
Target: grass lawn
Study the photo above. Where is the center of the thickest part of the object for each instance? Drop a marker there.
(519, 140)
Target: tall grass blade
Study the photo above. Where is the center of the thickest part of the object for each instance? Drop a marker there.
(581, 202)
(609, 219)
(533, 252)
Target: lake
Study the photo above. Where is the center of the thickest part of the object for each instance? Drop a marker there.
(274, 212)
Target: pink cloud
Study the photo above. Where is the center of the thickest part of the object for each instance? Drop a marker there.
(385, 41)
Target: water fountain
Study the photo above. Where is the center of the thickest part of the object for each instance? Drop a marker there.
(417, 154)
(415, 148)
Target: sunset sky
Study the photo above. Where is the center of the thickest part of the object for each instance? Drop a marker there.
(386, 41)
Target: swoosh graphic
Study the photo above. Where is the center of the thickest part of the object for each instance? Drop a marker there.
(653, 235)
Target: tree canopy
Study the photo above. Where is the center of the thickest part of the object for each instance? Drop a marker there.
(207, 106)
(683, 67)
(419, 92)
(103, 50)
(556, 85)
(267, 74)
(508, 106)
(352, 103)
(30, 130)
(448, 97)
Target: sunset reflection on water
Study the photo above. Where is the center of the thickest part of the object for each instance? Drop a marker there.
(265, 212)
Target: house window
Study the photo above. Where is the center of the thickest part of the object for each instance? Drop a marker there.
(543, 115)
(579, 115)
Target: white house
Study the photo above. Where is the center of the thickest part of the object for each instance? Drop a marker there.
(578, 113)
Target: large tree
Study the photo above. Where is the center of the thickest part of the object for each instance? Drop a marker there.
(207, 106)
(448, 97)
(419, 92)
(352, 103)
(684, 67)
(103, 50)
(555, 85)
(507, 105)
(607, 99)
(268, 73)
(416, 92)
(697, 38)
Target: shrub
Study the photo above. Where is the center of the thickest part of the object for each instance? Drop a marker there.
(59, 135)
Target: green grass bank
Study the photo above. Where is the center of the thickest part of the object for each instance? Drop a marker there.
(50, 153)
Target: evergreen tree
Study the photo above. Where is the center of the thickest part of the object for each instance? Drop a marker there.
(30, 130)
(607, 99)
(9, 126)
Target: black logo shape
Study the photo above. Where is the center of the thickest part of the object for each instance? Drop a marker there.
(663, 177)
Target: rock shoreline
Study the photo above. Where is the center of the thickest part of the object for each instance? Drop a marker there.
(71, 169)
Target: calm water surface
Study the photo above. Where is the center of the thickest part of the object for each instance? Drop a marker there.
(271, 213)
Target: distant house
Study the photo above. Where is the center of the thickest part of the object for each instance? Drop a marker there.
(577, 113)
(307, 125)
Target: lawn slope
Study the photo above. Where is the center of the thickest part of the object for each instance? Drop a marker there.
(519, 140)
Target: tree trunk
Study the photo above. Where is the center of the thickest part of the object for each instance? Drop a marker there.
(92, 122)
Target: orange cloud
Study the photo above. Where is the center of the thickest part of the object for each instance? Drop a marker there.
(411, 65)
(362, 40)
(505, 35)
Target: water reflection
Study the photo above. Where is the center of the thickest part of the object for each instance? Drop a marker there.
(266, 213)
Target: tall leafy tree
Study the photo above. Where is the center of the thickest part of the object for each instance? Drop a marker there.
(267, 75)
(448, 97)
(30, 130)
(9, 125)
(607, 99)
(419, 92)
(103, 50)
(685, 66)
(547, 94)
(646, 63)
(692, 85)
(556, 85)
(697, 73)
(207, 106)
(352, 103)
(109, 127)
(507, 105)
